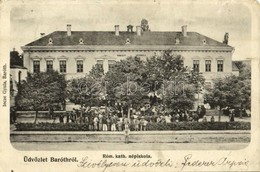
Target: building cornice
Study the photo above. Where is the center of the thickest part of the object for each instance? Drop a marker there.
(127, 48)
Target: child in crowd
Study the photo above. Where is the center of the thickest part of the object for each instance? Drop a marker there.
(204, 118)
(119, 124)
(144, 125)
(137, 122)
(113, 121)
(104, 122)
(127, 133)
(212, 119)
(95, 122)
(108, 123)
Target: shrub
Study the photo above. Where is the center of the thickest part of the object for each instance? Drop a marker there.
(51, 127)
(200, 126)
(150, 126)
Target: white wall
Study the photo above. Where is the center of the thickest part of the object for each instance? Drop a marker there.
(90, 57)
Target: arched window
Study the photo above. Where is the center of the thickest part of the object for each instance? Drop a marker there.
(81, 41)
(128, 41)
(50, 41)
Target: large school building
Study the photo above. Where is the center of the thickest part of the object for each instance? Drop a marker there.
(73, 53)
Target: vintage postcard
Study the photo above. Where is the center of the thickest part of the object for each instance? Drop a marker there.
(129, 85)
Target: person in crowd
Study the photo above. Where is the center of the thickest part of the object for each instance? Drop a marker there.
(91, 122)
(162, 119)
(181, 117)
(95, 122)
(120, 124)
(203, 110)
(226, 111)
(100, 122)
(12, 115)
(196, 117)
(109, 123)
(141, 123)
(145, 122)
(86, 121)
(125, 121)
(67, 117)
(51, 112)
(73, 117)
(212, 119)
(104, 123)
(204, 118)
(158, 120)
(113, 123)
(244, 113)
(199, 112)
(173, 119)
(177, 117)
(127, 133)
(136, 123)
(185, 116)
(232, 117)
(236, 112)
(190, 119)
(168, 118)
(61, 118)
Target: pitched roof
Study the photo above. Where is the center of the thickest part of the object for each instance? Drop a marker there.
(234, 66)
(60, 38)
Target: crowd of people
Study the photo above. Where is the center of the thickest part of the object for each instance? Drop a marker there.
(116, 120)
(109, 121)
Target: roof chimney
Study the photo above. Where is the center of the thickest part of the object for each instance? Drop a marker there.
(225, 41)
(117, 30)
(184, 30)
(138, 30)
(69, 29)
(129, 28)
(42, 34)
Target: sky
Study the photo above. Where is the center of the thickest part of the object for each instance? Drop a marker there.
(212, 18)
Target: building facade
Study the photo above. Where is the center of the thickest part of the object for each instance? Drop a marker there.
(75, 52)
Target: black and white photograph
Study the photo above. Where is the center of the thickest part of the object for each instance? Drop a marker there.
(130, 86)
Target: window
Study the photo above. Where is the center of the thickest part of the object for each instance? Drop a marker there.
(50, 41)
(220, 65)
(36, 66)
(81, 41)
(196, 65)
(111, 64)
(63, 66)
(49, 65)
(100, 64)
(79, 66)
(128, 41)
(208, 65)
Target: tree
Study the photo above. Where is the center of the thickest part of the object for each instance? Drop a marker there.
(40, 91)
(96, 72)
(160, 78)
(144, 25)
(232, 91)
(174, 83)
(87, 91)
(16, 59)
(124, 83)
(244, 69)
